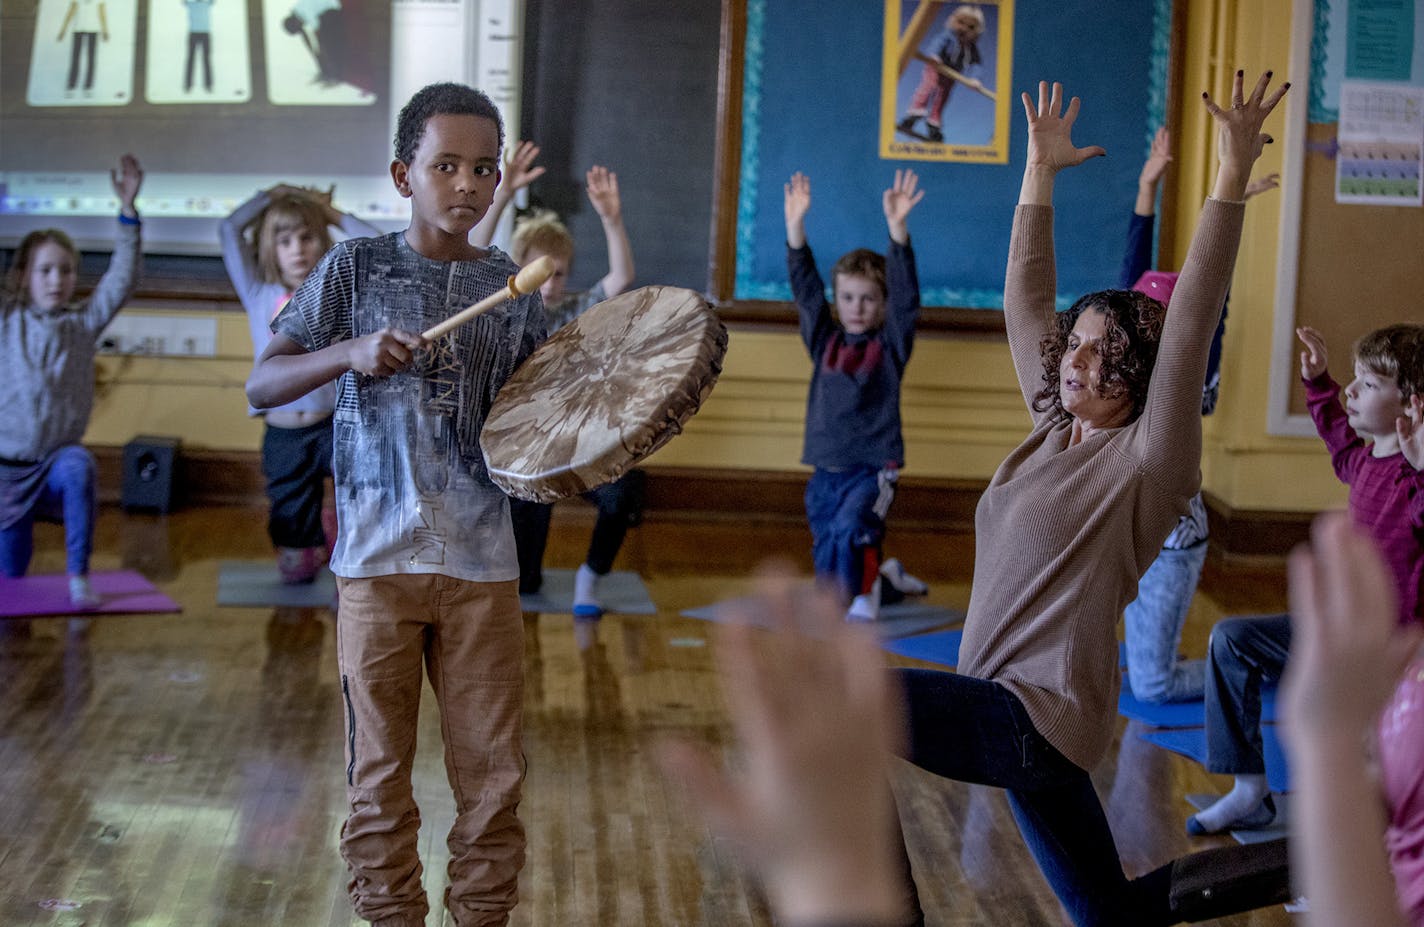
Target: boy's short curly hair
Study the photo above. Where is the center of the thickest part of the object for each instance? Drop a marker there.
(862, 262)
(1128, 352)
(541, 231)
(1397, 352)
(20, 264)
(286, 214)
(444, 99)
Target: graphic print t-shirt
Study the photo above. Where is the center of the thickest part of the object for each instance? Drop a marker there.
(412, 493)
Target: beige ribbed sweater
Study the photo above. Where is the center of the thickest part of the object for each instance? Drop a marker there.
(1064, 533)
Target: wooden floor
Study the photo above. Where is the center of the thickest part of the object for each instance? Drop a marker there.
(181, 770)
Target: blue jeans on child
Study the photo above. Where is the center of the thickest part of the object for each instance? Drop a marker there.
(975, 730)
(846, 510)
(1242, 655)
(1153, 628)
(67, 495)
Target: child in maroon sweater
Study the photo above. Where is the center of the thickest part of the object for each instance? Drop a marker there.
(1376, 444)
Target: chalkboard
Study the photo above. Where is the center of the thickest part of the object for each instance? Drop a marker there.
(631, 85)
(1345, 268)
(811, 100)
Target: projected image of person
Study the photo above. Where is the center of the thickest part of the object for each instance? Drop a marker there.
(325, 28)
(87, 18)
(199, 43)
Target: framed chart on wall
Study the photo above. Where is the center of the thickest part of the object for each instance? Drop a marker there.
(1352, 227)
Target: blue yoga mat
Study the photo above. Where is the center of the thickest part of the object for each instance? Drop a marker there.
(1171, 714)
(941, 647)
(896, 621)
(1191, 743)
(1180, 714)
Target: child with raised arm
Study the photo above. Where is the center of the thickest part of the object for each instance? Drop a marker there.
(619, 503)
(1152, 623)
(270, 244)
(1377, 449)
(858, 355)
(425, 560)
(49, 340)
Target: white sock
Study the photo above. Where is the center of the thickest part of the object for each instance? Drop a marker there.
(1244, 798)
(81, 593)
(866, 606)
(586, 586)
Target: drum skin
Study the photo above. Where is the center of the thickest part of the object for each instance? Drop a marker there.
(603, 393)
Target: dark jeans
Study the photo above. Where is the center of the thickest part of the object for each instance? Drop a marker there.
(296, 462)
(973, 730)
(83, 45)
(620, 507)
(1243, 653)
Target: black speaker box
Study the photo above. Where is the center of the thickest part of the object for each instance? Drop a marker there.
(150, 473)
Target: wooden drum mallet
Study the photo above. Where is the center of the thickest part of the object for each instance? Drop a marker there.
(529, 279)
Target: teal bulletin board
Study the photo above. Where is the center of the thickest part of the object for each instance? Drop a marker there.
(813, 101)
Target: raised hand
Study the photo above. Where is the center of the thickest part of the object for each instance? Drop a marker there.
(519, 167)
(1050, 146)
(127, 178)
(1261, 184)
(1347, 646)
(602, 187)
(1313, 359)
(898, 200)
(383, 353)
(797, 204)
(1239, 136)
(1158, 157)
(1409, 429)
(815, 718)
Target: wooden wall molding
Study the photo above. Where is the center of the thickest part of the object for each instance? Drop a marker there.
(749, 497)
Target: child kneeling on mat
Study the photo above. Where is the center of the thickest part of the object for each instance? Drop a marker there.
(853, 408)
(49, 341)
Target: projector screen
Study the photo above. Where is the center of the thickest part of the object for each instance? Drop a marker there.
(221, 98)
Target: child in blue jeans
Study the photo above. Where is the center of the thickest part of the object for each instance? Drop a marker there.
(1376, 444)
(49, 340)
(853, 408)
(1153, 621)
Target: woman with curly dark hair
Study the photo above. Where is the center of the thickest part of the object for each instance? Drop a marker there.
(1069, 523)
(1132, 326)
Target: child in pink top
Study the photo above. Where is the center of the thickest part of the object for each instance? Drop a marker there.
(1349, 829)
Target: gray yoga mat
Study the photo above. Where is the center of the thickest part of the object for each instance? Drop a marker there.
(1280, 827)
(256, 583)
(621, 592)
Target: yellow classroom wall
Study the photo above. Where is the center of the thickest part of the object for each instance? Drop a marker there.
(962, 410)
(1242, 464)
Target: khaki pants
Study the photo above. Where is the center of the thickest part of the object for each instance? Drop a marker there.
(470, 638)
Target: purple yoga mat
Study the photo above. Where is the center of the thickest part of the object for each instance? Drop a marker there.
(122, 592)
